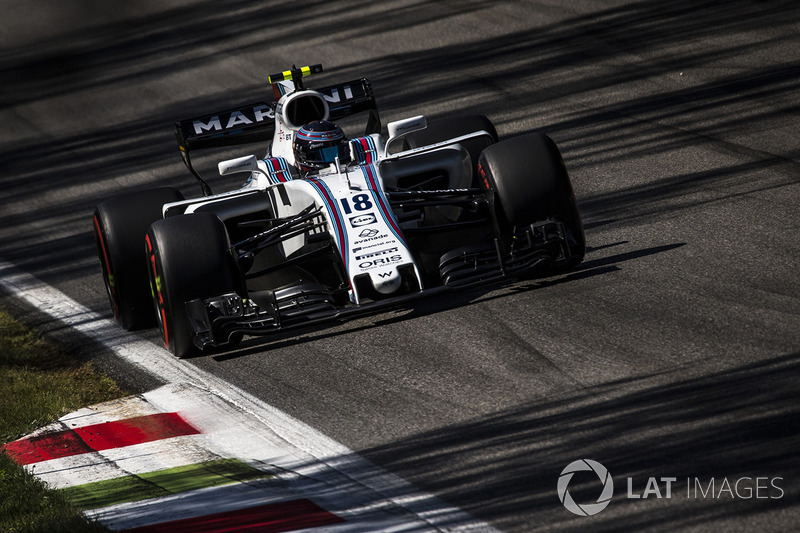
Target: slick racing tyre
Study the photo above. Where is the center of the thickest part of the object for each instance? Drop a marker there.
(188, 259)
(455, 127)
(119, 227)
(530, 182)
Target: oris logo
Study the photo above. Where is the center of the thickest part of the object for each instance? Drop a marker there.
(380, 262)
(587, 509)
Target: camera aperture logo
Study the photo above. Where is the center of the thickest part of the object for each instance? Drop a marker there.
(740, 488)
(587, 509)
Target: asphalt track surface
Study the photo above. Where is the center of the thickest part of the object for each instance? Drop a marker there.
(673, 351)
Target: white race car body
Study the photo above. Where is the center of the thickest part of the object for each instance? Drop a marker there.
(420, 210)
(350, 196)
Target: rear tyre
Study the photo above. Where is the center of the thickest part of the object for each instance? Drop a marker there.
(119, 227)
(530, 182)
(188, 258)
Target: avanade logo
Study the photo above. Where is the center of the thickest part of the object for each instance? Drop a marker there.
(714, 488)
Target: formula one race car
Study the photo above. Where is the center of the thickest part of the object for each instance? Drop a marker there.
(325, 227)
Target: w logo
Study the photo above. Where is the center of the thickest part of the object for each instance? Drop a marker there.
(603, 500)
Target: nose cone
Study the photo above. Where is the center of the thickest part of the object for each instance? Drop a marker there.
(387, 282)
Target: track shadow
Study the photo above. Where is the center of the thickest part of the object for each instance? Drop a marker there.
(731, 422)
(436, 304)
(734, 423)
(101, 156)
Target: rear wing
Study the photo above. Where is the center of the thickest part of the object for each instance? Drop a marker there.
(254, 123)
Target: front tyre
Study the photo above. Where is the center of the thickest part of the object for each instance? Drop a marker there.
(188, 258)
(530, 183)
(119, 226)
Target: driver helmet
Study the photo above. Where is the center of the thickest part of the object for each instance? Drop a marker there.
(317, 145)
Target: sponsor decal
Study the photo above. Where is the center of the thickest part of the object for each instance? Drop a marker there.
(376, 254)
(359, 248)
(247, 162)
(239, 117)
(332, 95)
(363, 220)
(403, 128)
(381, 261)
(278, 170)
(367, 233)
(382, 237)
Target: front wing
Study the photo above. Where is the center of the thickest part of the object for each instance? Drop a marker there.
(223, 319)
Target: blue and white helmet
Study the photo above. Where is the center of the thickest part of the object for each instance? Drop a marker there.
(318, 144)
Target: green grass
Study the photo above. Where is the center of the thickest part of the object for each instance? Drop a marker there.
(39, 382)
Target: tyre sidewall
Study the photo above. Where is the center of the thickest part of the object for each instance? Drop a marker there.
(530, 183)
(188, 259)
(119, 225)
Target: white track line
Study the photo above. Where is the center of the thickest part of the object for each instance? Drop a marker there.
(297, 435)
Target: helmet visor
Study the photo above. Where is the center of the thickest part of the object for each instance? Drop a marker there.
(327, 155)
